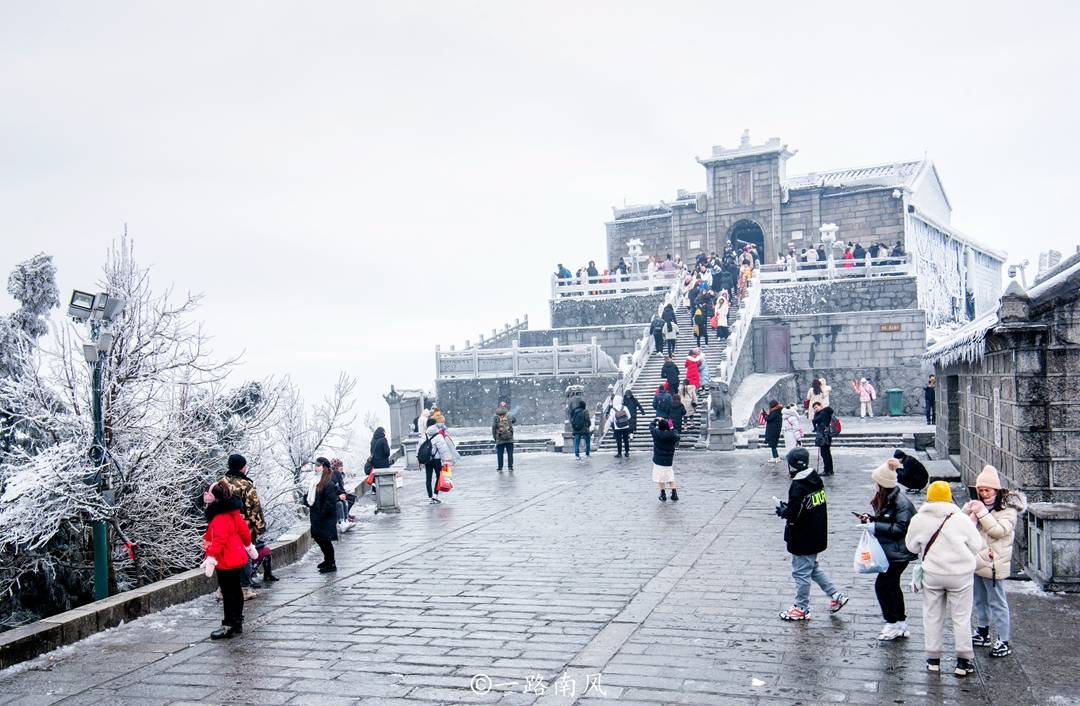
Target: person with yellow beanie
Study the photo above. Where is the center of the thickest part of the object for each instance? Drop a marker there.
(892, 513)
(949, 544)
(995, 514)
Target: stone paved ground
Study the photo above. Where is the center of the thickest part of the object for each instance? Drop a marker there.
(562, 569)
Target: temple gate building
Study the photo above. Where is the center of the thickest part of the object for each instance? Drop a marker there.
(749, 198)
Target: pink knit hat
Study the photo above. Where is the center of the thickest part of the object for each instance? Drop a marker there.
(988, 478)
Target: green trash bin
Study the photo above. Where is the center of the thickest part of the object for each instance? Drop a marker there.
(896, 401)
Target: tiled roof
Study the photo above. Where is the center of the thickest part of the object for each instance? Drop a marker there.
(892, 174)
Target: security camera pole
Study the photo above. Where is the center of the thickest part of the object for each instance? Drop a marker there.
(98, 310)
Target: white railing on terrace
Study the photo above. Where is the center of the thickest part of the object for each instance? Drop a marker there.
(834, 270)
(616, 285)
(740, 331)
(501, 338)
(553, 360)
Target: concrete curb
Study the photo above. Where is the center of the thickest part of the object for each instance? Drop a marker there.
(45, 635)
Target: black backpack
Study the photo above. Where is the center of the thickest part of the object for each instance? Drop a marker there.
(424, 454)
(578, 420)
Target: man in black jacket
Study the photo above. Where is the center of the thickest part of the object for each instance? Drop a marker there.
(670, 373)
(806, 531)
(822, 421)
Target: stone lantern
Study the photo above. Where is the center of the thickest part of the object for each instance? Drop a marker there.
(634, 247)
(828, 239)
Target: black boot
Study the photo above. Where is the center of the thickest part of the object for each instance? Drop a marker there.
(226, 631)
(674, 495)
(328, 569)
(663, 495)
(268, 570)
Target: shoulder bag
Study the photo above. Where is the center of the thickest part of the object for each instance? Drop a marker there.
(917, 572)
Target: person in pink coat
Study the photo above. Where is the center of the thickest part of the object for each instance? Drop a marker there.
(867, 394)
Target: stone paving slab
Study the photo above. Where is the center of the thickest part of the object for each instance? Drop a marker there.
(561, 572)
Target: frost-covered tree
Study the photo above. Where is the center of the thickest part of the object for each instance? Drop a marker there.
(33, 284)
(170, 422)
(302, 432)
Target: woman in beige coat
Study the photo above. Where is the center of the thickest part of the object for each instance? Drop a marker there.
(948, 543)
(818, 392)
(995, 514)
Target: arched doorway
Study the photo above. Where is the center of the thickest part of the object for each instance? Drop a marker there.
(747, 232)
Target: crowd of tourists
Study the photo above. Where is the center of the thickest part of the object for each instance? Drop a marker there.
(853, 254)
(234, 544)
(961, 553)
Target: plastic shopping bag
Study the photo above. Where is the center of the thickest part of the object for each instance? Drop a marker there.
(917, 577)
(869, 556)
(445, 484)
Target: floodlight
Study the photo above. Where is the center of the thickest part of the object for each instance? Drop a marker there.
(90, 352)
(80, 305)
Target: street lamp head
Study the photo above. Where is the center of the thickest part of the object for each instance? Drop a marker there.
(90, 352)
(81, 305)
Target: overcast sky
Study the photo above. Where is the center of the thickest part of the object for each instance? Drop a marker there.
(351, 183)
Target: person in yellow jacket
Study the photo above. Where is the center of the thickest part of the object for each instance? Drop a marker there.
(995, 514)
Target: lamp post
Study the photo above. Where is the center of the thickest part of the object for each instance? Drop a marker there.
(99, 310)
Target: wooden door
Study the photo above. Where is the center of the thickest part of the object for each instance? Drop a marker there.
(777, 349)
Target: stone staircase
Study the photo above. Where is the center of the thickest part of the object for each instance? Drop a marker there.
(480, 447)
(851, 439)
(649, 379)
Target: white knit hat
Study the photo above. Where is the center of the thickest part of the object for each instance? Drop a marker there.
(885, 474)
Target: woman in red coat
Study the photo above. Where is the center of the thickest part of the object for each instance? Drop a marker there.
(228, 547)
(693, 367)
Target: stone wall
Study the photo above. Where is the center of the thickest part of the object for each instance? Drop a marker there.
(1016, 408)
(862, 294)
(652, 229)
(865, 217)
(575, 312)
(533, 400)
(614, 340)
(847, 346)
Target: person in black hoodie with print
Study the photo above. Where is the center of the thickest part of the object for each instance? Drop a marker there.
(806, 532)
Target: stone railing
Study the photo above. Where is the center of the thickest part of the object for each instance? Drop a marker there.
(501, 338)
(642, 349)
(740, 331)
(616, 285)
(553, 360)
(833, 269)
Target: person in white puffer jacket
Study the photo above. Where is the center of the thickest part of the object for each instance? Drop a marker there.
(995, 514)
(948, 543)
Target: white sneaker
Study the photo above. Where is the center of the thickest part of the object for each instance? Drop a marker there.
(891, 631)
(902, 629)
(249, 594)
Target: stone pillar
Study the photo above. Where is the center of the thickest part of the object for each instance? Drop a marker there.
(404, 407)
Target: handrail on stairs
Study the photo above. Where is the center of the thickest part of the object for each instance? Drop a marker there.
(642, 349)
(750, 306)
